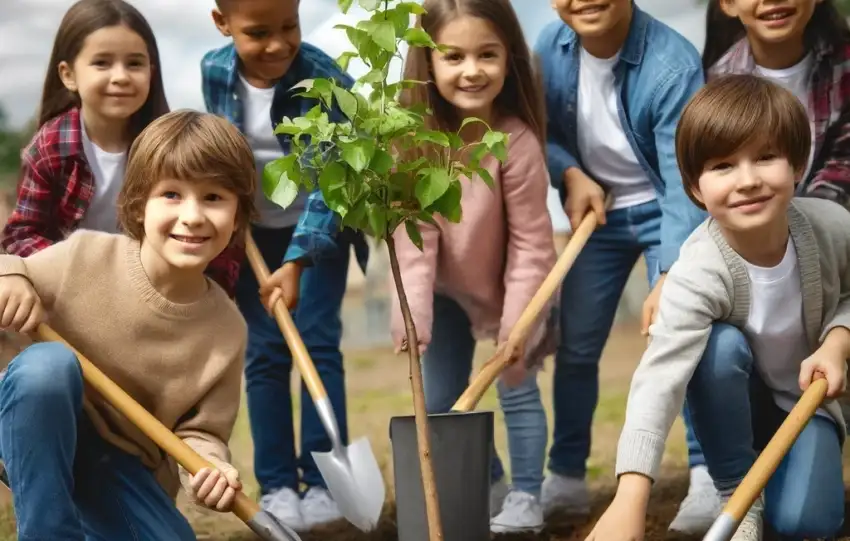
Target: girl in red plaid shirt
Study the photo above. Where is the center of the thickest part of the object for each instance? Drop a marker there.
(103, 87)
(803, 45)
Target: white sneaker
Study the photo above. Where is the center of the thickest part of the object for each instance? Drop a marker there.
(498, 491)
(565, 494)
(750, 528)
(285, 505)
(700, 507)
(521, 512)
(318, 507)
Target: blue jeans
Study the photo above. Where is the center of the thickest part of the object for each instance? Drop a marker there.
(590, 294)
(446, 368)
(805, 496)
(68, 483)
(268, 365)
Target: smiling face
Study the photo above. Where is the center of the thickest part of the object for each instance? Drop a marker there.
(772, 21)
(111, 73)
(187, 224)
(593, 18)
(748, 190)
(471, 72)
(266, 35)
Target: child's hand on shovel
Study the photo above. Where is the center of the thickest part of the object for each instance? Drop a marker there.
(215, 488)
(283, 284)
(829, 360)
(20, 305)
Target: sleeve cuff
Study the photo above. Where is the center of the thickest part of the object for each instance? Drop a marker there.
(639, 451)
(11, 265)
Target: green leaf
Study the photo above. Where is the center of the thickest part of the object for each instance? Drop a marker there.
(346, 101)
(332, 179)
(485, 176)
(449, 204)
(417, 37)
(345, 58)
(358, 154)
(414, 233)
(345, 5)
(278, 184)
(400, 19)
(370, 5)
(432, 136)
(412, 7)
(431, 185)
(384, 35)
(377, 216)
(373, 76)
(381, 162)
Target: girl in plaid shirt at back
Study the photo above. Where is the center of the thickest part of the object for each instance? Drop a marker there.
(803, 45)
(103, 86)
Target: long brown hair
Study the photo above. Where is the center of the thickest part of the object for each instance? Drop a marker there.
(521, 95)
(721, 31)
(82, 19)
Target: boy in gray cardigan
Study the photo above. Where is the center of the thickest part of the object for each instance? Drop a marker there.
(772, 265)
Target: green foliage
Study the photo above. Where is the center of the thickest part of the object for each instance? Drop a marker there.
(360, 164)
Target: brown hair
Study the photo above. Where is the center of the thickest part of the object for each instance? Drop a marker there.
(82, 19)
(521, 96)
(187, 145)
(732, 112)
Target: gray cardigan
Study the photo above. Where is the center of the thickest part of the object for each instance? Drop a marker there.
(708, 283)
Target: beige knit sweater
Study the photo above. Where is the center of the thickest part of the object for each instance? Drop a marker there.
(181, 362)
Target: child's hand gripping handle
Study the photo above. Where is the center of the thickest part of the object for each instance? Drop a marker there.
(243, 507)
(296, 345)
(287, 326)
(767, 462)
(493, 367)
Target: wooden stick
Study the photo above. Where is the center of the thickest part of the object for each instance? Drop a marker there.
(496, 364)
(243, 507)
(300, 355)
(769, 459)
(423, 435)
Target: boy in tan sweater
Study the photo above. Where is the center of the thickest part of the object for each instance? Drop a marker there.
(140, 307)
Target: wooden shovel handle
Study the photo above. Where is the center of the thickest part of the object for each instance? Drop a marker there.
(494, 366)
(293, 339)
(243, 507)
(767, 462)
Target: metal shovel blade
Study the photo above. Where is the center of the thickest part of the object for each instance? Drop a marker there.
(355, 482)
(269, 528)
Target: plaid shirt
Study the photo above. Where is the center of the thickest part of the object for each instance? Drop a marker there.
(54, 192)
(829, 97)
(317, 233)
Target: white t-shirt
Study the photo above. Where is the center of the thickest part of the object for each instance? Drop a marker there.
(108, 170)
(796, 80)
(260, 134)
(775, 329)
(605, 151)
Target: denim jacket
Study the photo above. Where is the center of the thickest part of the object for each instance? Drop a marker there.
(657, 73)
(317, 233)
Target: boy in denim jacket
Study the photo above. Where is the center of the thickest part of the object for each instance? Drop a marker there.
(249, 82)
(615, 81)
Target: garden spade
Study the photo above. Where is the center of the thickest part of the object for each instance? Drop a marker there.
(461, 440)
(261, 522)
(351, 473)
(745, 495)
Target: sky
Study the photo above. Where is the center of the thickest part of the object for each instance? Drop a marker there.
(185, 31)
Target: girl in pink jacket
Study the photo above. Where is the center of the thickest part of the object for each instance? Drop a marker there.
(473, 279)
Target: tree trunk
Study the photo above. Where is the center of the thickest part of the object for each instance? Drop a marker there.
(423, 435)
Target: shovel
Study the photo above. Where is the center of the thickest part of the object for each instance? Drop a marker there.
(461, 440)
(261, 522)
(745, 495)
(496, 364)
(351, 473)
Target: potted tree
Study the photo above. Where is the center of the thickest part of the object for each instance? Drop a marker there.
(365, 173)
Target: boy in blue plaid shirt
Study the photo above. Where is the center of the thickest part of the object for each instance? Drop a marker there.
(248, 81)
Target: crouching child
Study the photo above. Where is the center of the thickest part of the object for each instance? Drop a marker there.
(778, 268)
(140, 307)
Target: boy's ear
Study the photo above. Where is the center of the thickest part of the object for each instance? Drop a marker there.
(221, 22)
(728, 7)
(66, 74)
